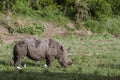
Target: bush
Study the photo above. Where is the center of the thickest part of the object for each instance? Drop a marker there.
(36, 30)
(115, 5)
(22, 7)
(98, 8)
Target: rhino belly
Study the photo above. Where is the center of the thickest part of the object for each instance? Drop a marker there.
(36, 49)
(36, 53)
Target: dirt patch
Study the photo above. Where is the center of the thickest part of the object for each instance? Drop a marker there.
(12, 38)
(5, 23)
(3, 31)
(51, 30)
(117, 35)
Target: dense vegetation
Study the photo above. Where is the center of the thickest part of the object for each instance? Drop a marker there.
(97, 15)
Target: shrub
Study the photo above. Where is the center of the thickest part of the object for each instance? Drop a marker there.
(115, 5)
(22, 7)
(99, 7)
(36, 30)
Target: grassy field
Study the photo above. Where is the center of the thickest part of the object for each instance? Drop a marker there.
(94, 58)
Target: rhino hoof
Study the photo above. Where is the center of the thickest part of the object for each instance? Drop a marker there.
(19, 68)
(45, 65)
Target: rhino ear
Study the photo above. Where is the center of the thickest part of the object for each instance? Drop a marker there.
(50, 42)
(61, 48)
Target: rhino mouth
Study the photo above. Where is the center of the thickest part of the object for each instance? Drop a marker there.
(66, 63)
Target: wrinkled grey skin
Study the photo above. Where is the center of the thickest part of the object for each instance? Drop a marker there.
(38, 50)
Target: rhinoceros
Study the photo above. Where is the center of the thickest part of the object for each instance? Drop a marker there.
(39, 49)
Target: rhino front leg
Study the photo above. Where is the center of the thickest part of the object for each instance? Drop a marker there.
(18, 62)
(49, 61)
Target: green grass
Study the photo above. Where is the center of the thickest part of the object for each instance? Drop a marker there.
(94, 58)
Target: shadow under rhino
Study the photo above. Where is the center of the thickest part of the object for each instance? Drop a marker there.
(38, 50)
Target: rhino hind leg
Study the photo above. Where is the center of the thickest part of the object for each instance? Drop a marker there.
(17, 58)
(13, 60)
(20, 51)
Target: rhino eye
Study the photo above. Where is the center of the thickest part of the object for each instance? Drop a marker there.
(61, 48)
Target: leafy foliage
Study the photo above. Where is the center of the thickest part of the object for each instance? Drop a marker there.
(79, 8)
(98, 8)
(115, 6)
(60, 11)
(36, 30)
